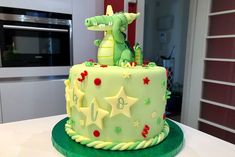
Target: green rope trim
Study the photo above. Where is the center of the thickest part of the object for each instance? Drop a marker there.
(117, 146)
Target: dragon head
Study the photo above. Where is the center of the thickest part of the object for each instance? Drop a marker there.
(117, 23)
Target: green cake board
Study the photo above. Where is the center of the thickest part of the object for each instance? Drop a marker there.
(69, 148)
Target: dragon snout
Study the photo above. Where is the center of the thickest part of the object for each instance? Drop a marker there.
(88, 22)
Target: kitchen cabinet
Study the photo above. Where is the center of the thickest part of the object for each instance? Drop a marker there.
(0, 108)
(32, 99)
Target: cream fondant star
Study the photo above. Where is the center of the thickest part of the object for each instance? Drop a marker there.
(154, 114)
(126, 75)
(136, 124)
(67, 97)
(82, 122)
(79, 94)
(94, 114)
(121, 103)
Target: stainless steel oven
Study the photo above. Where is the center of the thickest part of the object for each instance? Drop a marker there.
(31, 38)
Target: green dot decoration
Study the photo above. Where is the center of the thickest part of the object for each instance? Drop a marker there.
(147, 101)
(118, 130)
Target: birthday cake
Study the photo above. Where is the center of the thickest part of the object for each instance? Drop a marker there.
(117, 103)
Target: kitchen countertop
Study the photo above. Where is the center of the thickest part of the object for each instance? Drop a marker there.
(33, 138)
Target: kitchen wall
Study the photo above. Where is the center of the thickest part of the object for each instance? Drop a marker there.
(84, 48)
(28, 97)
(153, 49)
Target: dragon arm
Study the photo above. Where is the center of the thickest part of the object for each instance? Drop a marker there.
(117, 34)
(126, 57)
(97, 42)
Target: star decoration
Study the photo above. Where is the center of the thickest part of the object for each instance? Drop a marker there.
(121, 103)
(154, 114)
(82, 122)
(146, 80)
(136, 124)
(67, 97)
(94, 114)
(147, 101)
(79, 94)
(126, 75)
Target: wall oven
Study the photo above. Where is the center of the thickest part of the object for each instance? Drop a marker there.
(31, 38)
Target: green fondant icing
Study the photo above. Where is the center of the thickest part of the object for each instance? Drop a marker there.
(112, 81)
(138, 54)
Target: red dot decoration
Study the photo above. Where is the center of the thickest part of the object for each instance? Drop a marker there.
(146, 80)
(96, 133)
(97, 81)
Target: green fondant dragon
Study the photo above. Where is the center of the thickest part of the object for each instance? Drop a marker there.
(113, 49)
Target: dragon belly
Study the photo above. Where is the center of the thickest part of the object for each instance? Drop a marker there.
(106, 51)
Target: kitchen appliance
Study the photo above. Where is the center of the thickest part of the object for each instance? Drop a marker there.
(30, 38)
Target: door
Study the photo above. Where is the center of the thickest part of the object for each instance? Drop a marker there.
(211, 94)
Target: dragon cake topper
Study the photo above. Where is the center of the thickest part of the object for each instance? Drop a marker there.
(114, 49)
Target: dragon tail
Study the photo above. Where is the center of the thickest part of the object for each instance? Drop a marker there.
(138, 54)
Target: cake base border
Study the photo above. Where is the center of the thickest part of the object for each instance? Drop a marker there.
(69, 148)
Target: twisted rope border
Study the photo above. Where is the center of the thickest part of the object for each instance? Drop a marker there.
(117, 146)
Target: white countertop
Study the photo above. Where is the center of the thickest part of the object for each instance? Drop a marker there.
(33, 138)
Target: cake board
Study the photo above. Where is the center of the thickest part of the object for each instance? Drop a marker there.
(69, 148)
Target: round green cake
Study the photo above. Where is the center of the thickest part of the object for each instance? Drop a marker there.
(119, 102)
(116, 108)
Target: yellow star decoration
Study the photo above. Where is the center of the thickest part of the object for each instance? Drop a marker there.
(94, 114)
(121, 103)
(154, 115)
(136, 124)
(67, 97)
(126, 75)
(81, 122)
(79, 95)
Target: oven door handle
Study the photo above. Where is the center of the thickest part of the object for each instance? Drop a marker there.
(34, 28)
